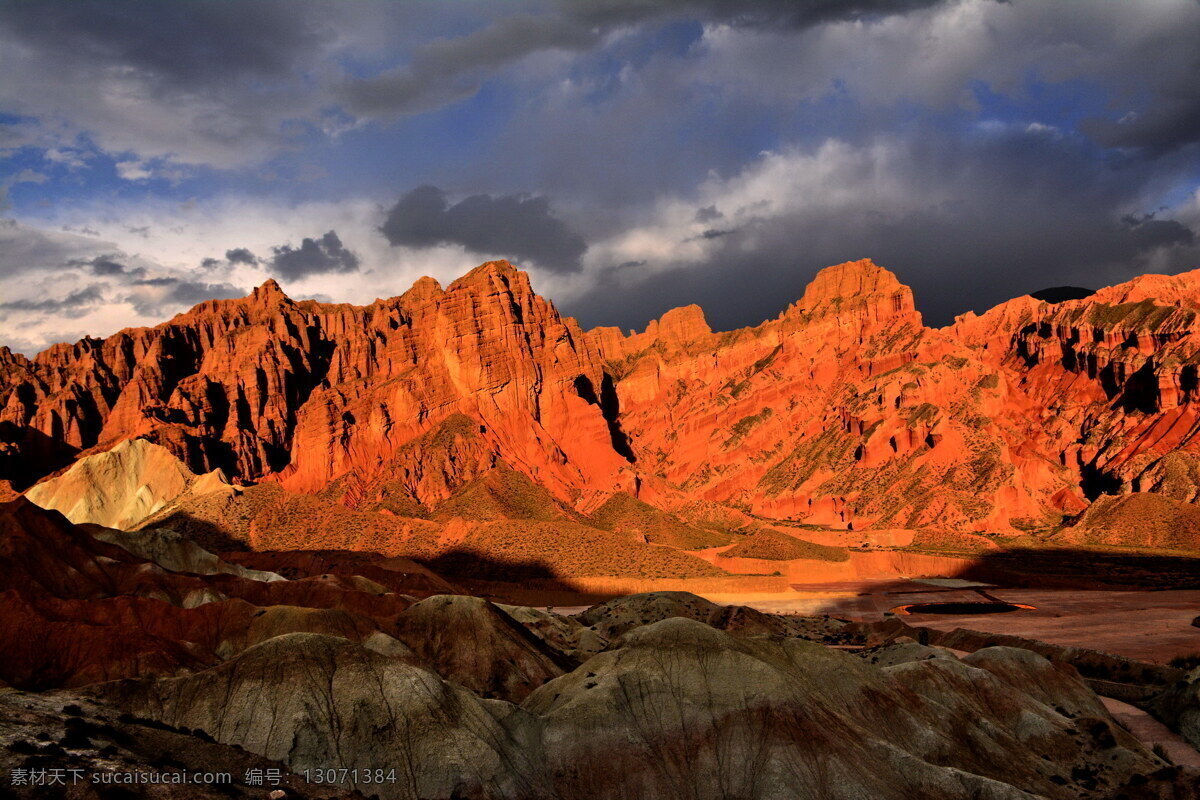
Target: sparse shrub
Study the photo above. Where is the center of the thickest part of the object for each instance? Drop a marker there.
(1188, 662)
(75, 739)
(770, 544)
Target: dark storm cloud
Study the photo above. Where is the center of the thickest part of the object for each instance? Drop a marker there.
(28, 250)
(167, 293)
(509, 226)
(207, 81)
(1029, 212)
(240, 255)
(236, 71)
(187, 45)
(1171, 122)
(1149, 233)
(106, 266)
(313, 257)
(73, 305)
(752, 13)
(450, 69)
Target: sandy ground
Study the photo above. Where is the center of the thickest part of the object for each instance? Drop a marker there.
(1151, 626)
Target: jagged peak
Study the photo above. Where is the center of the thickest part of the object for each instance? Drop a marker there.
(680, 324)
(423, 289)
(8, 356)
(486, 272)
(270, 289)
(847, 280)
(1181, 288)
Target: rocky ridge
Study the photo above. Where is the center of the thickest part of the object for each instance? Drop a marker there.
(845, 412)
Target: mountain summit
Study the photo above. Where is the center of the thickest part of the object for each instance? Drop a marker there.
(843, 412)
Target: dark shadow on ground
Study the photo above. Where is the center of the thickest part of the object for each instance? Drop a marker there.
(1084, 569)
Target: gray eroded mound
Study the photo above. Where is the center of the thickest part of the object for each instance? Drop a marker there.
(314, 701)
(623, 614)
(477, 645)
(671, 709)
(177, 553)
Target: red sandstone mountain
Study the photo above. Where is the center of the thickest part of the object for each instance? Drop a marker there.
(319, 446)
(844, 412)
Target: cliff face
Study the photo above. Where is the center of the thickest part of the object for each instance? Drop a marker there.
(844, 411)
(847, 412)
(306, 392)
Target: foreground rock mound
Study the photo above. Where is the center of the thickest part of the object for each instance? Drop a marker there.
(477, 645)
(677, 709)
(173, 552)
(64, 731)
(317, 702)
(684, 699)
(623, 614)
(82, 604)
(722, 716)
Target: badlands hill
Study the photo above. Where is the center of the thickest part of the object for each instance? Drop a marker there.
(474, 423)
(118, 656)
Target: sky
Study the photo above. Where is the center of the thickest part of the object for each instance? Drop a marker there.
(632, 155)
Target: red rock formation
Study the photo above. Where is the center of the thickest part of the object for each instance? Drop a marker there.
(308, 392)
(76, 610)
(844, 411)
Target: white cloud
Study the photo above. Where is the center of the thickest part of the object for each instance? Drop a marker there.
(27, 176)
(165, 240)
(70, 157)
(133, 170)
(829, 179)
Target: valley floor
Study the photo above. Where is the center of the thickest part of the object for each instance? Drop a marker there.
(1153, 626)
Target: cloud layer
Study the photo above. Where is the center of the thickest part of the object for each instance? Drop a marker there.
(313, 257)
(634, 155)
(516, 227)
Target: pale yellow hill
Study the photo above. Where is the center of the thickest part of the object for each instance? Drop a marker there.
(123, 486)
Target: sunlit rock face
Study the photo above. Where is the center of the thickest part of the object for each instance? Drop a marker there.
(845, 411)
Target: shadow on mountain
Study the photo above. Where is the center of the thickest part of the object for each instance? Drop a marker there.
(207, 534)
(531, 580)
(27, 455)
(471, 564)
